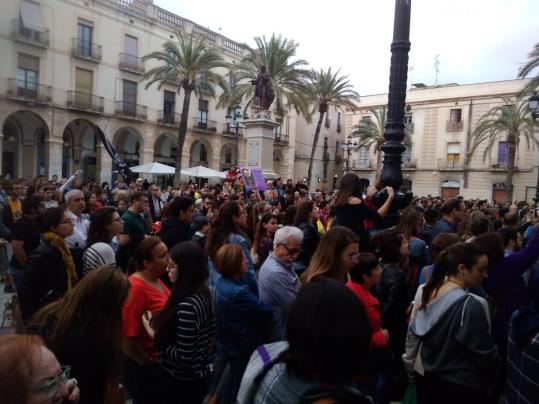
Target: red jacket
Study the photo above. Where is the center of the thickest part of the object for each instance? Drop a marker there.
(372, 308)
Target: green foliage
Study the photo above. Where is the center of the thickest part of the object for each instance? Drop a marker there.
(531, 65)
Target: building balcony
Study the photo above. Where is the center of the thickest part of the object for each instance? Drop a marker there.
(409, 127)
(409, 163)
(86, 50)
(29, 36)
(131, 63)
(454, 126)
(450, 165)
(130, 110)
(85, 102)
(361, 164)
(230, 130)
(168, 118)
(204, 125)
(29, 91)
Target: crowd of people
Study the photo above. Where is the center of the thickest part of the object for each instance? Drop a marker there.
(226, 294)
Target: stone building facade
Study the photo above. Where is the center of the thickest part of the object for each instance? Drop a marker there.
(441, 121)
(68, 66)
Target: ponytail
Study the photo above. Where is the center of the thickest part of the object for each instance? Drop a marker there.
(439, 272)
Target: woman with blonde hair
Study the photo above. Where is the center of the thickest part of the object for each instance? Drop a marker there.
(335, 256)
(83, 329)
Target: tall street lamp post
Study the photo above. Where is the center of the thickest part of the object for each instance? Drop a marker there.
(393, 146)
(233, 121)
(348, 147)
(534, 108)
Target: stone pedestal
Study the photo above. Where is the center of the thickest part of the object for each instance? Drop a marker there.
(259, 149)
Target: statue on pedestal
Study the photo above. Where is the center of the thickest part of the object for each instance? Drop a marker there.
(263, 90)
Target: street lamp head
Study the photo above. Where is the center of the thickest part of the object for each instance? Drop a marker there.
(533, 103)
(245, 116)
(228, 118)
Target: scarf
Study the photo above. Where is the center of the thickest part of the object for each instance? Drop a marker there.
(59, 243)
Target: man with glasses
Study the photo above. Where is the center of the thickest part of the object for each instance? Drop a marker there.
(278, 284)
(156, 203)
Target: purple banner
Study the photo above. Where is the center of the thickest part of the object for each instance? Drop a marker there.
(253, 178)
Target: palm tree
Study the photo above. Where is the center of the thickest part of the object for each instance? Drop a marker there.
(531, 65)
(511, 121)
(371, 134)
(190, 63)
(287, 75)
(324, 88)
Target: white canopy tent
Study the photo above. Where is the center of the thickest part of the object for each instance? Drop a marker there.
(153, 168)
(204, 172)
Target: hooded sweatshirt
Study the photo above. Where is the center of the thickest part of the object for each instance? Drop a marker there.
(456, 342)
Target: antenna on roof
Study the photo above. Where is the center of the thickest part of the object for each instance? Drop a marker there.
(436, 65)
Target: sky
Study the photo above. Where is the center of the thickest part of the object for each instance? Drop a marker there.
(475, 40)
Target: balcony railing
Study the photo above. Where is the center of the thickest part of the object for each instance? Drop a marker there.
(30, 36)
(204, 125)
(230, 130)
(444, 164)
(131, 63)
(29, 91)
(129, 109)
(454, 126)
(86, 50)
(361, 164)
(84, 101)
(168, 118)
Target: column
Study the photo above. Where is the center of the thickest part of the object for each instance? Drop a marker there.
(259, 138)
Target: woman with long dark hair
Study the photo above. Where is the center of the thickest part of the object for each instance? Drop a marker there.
(229, 228)
(49, 271)
(148, 293)
(263, 241)
(185, 328)
(102, 245)
(351, 212)
(83, 330)
(335, 256)
(305, 219)
(458, 353)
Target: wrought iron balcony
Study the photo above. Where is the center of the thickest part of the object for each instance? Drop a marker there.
(450, 164)
(85, 102)
(454, 126)
(131, 63)
(230, 130)
(168, 118)
(29, 91)
(204, 125)
(281, 138)
(86, 50)
(128, 109)
(30, 36)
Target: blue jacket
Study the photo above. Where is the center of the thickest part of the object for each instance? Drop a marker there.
(242, 320)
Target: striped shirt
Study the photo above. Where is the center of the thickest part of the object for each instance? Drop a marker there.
(188, 357)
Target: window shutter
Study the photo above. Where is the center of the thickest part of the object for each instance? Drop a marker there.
(31, 16)
(27, 62)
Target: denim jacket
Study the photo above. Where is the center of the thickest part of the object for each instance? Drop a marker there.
(242, 320)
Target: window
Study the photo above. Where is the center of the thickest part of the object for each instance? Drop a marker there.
(203, 82)
(169, 105)
(507, 110)
(408, 118)
(30, 25)
(83, 87)
(232, 80)
(84, 39)
(228, 155)
(131, 51)
(339, 127)
(202, 114)
(363, 158)
(503, 155)
(129, 97)
(278, 131)
(455, 115)
(453, 155)
(328, 121)
(407, 156)
(27, 75)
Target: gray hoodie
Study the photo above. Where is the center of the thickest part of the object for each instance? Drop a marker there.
(456, 343)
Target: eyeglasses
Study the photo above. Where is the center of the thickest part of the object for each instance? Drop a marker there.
(292, 251)
(67, 221)
(50, 388)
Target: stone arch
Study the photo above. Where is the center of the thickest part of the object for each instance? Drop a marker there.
(227, 157)
(79, 149)
(166, 149)
(200, 153)
(24, 151)
(128, 143)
